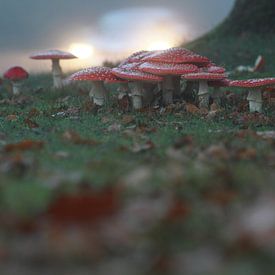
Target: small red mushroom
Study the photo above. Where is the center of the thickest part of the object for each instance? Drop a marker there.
(16, 75)
(97, 75)
(256, 86)
(55, 56)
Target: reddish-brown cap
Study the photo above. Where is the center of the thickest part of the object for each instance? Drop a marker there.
(167, 69)
(135, 75)
(95, 74)
(52, 54)
(16, 74)
(204, 76)
(253, 83)
(176, 55)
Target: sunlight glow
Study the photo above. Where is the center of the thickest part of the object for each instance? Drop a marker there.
(159, 45)
(81, 50)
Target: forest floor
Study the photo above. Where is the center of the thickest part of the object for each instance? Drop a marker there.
(174, 190)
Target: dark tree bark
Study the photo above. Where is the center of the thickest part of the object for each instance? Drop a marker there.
(251, 16)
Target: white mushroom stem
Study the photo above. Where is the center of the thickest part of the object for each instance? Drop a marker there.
(255, 99)
(203, 94)
(99, 93)
(167, 90)
(57, 74)
(137, 95)
(17, 87)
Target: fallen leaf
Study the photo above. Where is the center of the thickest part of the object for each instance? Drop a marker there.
(246, 154)
(192, 109)
(127, 119)
(31, 124)
(75, 138)
(183, 141)
(137, 148)
(11, 117)
(86, 207)
(24, 145)
(114, 127)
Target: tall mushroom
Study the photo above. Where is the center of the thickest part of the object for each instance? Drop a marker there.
(131, 72)
(168, 72)
(16, 75)
(256, 86)
(203, 78)
(97, 75)
(174, 56)
(55, 56)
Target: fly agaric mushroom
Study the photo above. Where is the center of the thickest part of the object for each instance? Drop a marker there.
(97, 75)
(132, 73)
(55, 56)
(203, 78)
(175, 56)
(255, 97)
(169, 72)
(16, 75)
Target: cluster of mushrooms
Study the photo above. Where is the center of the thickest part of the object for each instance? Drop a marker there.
(146, 73)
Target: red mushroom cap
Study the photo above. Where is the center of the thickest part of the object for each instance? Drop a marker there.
(16, 74)
(135, 75)
(52, 54)
(253, 83)
(167, 69)
(95, 74)
(176, 55)
(204, 76)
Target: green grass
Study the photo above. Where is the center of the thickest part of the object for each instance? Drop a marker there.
(106, 163)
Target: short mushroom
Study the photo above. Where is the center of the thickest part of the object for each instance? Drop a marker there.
(203, 78)
(169, 72)
(16, 75)
(255, 96)
(55, 56)
(97, 75)
(132, 73)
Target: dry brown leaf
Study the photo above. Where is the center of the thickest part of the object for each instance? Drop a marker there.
(137, 148)
(75, 138)
(127, 119)
(24, 145)
(192, 109)
(31, 124)
(11, 118)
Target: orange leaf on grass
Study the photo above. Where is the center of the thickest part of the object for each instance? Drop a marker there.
(75, 138)
(25, 145)
(88, 207)
(31, 124)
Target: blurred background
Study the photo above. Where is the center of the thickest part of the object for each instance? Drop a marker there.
(99, 31)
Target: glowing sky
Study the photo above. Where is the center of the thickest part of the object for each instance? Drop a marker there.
(100, 30)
